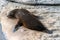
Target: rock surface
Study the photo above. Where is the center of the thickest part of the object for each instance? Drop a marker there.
(39, 1)
(50, 17)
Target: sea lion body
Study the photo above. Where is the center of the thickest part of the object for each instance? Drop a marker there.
(27, 19)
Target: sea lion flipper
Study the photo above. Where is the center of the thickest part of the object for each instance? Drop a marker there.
(19, 24)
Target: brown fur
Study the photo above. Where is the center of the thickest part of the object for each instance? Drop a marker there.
(27, 20)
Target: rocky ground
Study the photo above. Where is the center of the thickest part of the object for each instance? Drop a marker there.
(50, 17)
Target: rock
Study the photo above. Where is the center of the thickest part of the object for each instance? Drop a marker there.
(50, 19)
(38, 1)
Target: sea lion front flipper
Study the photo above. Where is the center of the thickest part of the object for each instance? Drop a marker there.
(19, 24)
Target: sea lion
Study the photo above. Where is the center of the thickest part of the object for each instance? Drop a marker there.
(27, 20)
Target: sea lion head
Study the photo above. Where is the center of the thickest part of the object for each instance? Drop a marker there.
(12, 14)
